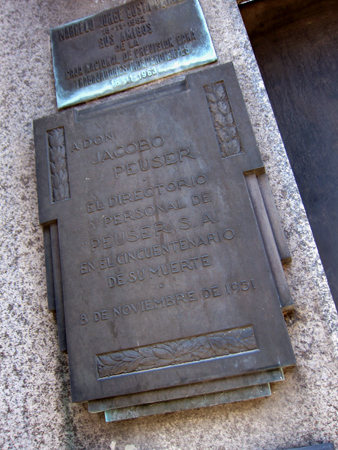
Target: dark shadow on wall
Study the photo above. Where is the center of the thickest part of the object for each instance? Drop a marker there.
(296, 46)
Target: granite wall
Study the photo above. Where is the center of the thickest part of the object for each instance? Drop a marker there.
(35, 408)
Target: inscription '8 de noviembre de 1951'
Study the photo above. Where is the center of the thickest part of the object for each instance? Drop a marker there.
(161, 250)
(127, 46)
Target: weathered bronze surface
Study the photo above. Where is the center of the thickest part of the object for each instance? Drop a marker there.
(126, 46)
(159, 215)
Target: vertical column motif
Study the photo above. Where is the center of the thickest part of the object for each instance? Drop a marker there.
(57, 281)
(223, 119)
(269, 241)
(59, 180)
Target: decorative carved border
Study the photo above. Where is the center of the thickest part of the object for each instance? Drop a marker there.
(212, 345)
(223, 119)
(58, 165)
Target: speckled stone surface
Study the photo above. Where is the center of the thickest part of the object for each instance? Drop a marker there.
(35, 409)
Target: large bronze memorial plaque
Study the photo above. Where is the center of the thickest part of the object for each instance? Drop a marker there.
(126, 46)
(163, 248)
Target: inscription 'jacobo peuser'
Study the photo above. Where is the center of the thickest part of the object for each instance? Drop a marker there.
(143, 165)
(140, 165)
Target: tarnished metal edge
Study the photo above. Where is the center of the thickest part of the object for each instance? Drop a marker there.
(199, 401)
(185, 391)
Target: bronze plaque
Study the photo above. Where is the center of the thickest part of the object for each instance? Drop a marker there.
(127, 46)
(161, 256)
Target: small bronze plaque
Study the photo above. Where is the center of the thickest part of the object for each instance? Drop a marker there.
(127, 46)
(162, 263)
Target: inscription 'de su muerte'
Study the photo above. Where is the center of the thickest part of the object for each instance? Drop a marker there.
(165, 280)
(126, 46)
